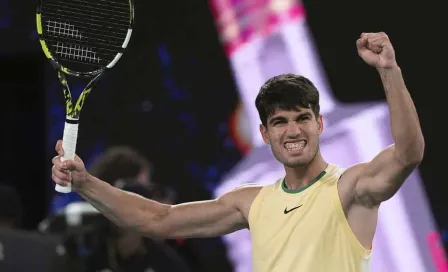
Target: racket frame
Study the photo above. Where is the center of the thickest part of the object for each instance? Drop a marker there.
(72, 112)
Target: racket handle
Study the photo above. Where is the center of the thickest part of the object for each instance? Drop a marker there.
(69, 145)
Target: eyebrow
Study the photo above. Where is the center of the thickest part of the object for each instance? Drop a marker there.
(304, 114)
(278, 118)
(282, 118)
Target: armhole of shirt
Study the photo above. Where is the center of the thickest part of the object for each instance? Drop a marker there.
(254, 210)
(363, 252)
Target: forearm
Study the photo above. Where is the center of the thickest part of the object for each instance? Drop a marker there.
(126, 210)
(406, 131)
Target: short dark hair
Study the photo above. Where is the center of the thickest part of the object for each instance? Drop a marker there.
(119, 162)
(286, 92)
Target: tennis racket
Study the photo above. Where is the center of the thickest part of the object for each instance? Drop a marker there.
(83, 39)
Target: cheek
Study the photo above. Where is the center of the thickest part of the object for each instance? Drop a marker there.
(275, 140)
(313, 128)
(274, 135)
(312, 133)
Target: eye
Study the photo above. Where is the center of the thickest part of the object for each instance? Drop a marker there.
(279, 122)
(304, 118)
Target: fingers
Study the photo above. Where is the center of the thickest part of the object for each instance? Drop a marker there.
(59, 176)
(373, 38)
(361, 43)
(62, 170)
(59, 165)
(59, 181)
(59, 148)
(373, 41)
(67, 165)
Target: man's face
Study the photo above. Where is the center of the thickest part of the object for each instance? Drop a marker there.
(293, 136)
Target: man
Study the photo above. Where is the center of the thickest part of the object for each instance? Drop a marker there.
(330, 216)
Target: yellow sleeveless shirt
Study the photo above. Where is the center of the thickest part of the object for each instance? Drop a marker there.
(304, 230)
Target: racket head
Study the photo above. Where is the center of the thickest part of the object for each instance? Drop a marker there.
(84, 37)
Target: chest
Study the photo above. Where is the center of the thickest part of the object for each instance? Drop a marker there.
(297, 219)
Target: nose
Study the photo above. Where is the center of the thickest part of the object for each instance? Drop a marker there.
(293, 130)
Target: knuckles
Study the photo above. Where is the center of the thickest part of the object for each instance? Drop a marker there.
(56, 160)
(375, 38)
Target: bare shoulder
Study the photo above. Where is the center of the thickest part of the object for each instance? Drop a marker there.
(242, 197)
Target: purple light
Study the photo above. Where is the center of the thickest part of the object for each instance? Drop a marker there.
(265, 38)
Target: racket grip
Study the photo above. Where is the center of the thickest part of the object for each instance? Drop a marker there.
(69, 145)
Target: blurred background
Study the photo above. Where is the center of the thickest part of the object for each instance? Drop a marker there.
(178, 113)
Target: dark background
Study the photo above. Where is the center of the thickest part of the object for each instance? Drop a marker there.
(173, 92)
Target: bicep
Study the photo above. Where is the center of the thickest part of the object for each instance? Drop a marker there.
(379, 179)
(202, 219)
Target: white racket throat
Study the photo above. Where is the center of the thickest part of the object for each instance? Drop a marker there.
(69, 141)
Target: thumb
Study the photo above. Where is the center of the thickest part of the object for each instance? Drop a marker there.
(59, 148)
(361, 43)
(70, 165)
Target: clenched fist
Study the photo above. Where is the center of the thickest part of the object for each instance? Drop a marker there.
(64, 172)
(376, 50)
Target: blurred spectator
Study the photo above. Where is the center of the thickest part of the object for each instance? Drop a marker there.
(117, 163)
(121, 166)
(122, 163)
(126, 169)
(10, 208)
(125, 251)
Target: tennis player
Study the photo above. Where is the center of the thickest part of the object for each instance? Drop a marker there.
(319, 216)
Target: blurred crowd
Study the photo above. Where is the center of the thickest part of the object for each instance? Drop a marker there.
(77, 238)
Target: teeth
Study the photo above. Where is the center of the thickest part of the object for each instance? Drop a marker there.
(295, 146)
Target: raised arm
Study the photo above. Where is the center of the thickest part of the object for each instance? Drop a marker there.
(153, 219)
(381, 178)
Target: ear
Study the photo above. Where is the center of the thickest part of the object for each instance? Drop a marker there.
(320, 124)
(264, 134)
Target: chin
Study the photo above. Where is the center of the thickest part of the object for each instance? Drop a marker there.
(297, 162)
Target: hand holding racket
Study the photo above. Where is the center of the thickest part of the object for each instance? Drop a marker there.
(82, 38)
(65, 172)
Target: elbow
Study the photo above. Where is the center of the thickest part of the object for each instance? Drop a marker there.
(412, 155)
(419, 152)
(157, 226)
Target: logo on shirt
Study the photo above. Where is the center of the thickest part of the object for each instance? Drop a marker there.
(288, 211)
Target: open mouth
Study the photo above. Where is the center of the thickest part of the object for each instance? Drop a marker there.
(295, 146)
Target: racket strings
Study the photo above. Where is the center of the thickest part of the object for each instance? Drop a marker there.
(92, 30)
(86, 31)
(72, 51)
(63, 30)
(83, 22)
(77, 53)
(118, 17)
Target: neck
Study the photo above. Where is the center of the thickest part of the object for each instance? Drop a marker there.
(300, 176)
